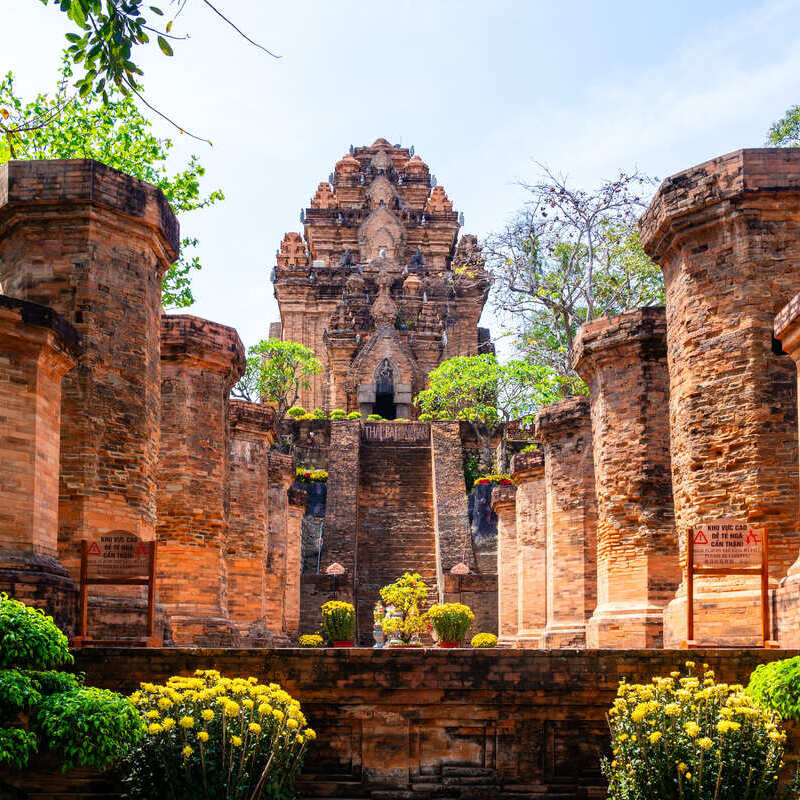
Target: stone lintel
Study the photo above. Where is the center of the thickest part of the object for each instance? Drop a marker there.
(524, 463)
(503, 498)
(707, 191)
(281, 468)
(252, 420)
(63, 182)
(65, 337)
(213, 346)
(787, 327)
(630, 330)
(552, 420)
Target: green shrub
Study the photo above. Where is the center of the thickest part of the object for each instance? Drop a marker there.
(210, 737)
(318, 413)
(338, 621)
(400, 419)
(338, 413)
(777, 686)
(409, 595)
(18, 691)
(354, 415)
(425, 417)
(374, 418)
(30, 638)
(484, 640)
(89, 727)
(689, 738)
(16, 747)
(451, 621)
(296, 411)
(530, 448)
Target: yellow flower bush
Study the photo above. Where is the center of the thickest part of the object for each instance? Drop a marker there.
(451, 621)
(484, 640)
(691, 738)
(226, 738)
(338, 621)
(311, 640)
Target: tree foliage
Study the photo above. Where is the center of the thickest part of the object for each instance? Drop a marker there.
(489, 395)
(110, 36)
(569, 256)
(786, 131)
(276, 372)
(113, 132)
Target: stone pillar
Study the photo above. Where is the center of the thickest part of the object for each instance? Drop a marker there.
(504, 505)
(296, 507)
(623, 359)
(787, 605)
(93, 243)
(200, 361)
(527, 470)
(727, 236)
(253, 431)
(37, 348)
(565, 432)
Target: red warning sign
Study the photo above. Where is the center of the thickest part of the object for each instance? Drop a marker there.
(118, 554)
(727, 544)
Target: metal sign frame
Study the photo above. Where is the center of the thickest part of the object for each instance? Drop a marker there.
(150, 639)
(762, 570)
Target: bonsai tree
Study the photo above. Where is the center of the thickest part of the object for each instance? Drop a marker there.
(43, 708)
(408, 595)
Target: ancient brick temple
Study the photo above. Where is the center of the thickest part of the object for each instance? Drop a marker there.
(379, 286)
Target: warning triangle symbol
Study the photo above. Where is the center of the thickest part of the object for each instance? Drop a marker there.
(752, 537)
(141, 549)
(94, 549)
(700, 538)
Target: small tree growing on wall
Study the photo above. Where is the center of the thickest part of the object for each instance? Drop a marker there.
(488, 395)
(276, 372)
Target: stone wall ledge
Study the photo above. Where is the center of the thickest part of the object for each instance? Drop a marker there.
(214, 346)
(252, 419)
(561, 415)
(44, 317)
(77, 181)
(503, 495)
(526, 462)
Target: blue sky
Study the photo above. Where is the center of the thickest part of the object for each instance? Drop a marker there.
(482, 90)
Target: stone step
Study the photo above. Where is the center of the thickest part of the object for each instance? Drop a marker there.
(451, 771)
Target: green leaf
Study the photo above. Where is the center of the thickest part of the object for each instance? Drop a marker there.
(166, 49)
(157, 11)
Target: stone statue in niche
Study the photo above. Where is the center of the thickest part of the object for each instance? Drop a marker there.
(418, 260)
(384, 377)
(346, 259)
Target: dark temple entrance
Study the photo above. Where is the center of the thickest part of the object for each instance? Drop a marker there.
(384, 405)
(384, 391)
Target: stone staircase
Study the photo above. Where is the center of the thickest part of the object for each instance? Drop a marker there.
(395, 522)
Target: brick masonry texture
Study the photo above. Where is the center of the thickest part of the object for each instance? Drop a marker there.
(623, 359)
(200, 361)
(38, 349)
(726, 236)
(92, 244)
(565, 432)
(527, 469)
(504, 505)
(520, 721)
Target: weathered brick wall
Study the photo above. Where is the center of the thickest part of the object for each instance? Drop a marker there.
(339, 537)
(726, 236)
(527, 470)
(252, 433)
(200, 361)
(453, 543)
(37, 348)
(504, 505)
(564, 431)
(479, 592)
(623, 359)
(92, 243)
(525, 721)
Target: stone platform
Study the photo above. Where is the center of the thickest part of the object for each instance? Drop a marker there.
(397, 725)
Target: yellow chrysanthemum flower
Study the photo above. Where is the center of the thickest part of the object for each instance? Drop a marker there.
(254, 727)
(187, 751)
(291, 723)
(168, 723)
(692, 729)
(202, 736)
(236, 741)
(654, 737)
(705, 743)
(153, 714)
(154, 728)
(207, 714)
(186, 722)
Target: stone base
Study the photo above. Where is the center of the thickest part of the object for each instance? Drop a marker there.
(787, 612)
(721, 619)
(615, 628)
(530, 640)
(564, 637)
(204, 631)
(42, 582)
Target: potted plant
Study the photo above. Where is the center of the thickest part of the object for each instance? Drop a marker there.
(407, 597)
(339, 622)
(484, 640)
(451, 621)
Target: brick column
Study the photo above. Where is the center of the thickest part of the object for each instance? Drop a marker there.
(565, 432)
(253, 431)
(726, 236)
(296, 507)
(787, 605)
(93, 243)
(623, 359)
(527, 470)
(37, 348)
(281, 477)
(200, 361)
(504, 505)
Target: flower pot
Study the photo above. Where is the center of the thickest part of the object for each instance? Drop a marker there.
(448, 644)
(343, 644)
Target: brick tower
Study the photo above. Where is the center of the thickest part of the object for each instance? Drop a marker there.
(378, 286)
